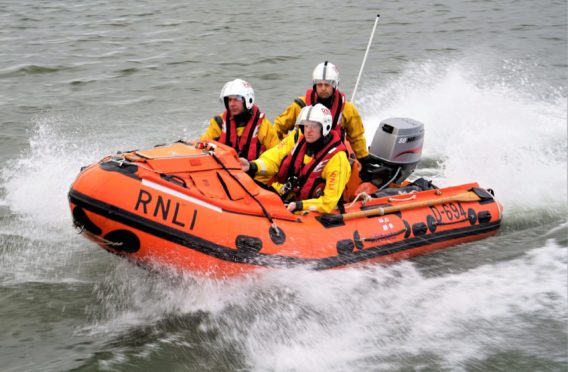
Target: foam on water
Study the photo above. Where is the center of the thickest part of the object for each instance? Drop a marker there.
(377, 317)
(36, 183)
(480, 129)
(39, 243)
(356, 318)
(493, 133)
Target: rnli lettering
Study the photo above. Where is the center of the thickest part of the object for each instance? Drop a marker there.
(164, 209)
(450, 212)
(144, 197)
(332, 181)
(174, 220)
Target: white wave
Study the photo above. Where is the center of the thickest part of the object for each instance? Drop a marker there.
(41, 242)
(372, 318)
(498, 133)
(365, 319)
(37, 182)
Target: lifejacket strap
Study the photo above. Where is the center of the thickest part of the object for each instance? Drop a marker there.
(300, 103)
(219, 121)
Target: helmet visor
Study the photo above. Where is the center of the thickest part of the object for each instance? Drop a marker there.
(240, 98)
(308, 124)
(333, 83)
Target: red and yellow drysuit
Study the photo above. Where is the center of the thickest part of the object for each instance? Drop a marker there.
(321, 178)
(345, 116)
(249, 140)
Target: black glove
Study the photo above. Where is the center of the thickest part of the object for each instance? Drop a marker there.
(253, 168)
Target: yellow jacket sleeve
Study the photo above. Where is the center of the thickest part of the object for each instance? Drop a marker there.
(213, 132)
(267, 137)
(353, 125)
(336, 174)
(267, 134)
(285, 121)
(268, 163)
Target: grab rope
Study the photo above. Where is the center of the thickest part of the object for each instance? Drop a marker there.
(451, 223)
(106, 241)
(363, 195)
(411, 197)
(379, 237)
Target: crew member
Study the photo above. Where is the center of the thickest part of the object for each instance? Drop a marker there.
(309, 168)
(242, 126)
(346, 118)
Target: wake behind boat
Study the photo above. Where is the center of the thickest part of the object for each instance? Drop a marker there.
(191, 207)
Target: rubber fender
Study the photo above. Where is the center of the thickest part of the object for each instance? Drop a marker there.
(432, 223)
(471, 216)
(484, 216)
(123, 241)
(407, 229)
(248, 244)
(419, 229)
(357, 240)
(345, 246)
(81, 220)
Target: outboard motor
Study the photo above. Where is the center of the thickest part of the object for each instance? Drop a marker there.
(395, 151)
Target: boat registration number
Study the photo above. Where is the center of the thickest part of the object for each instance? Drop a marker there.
(450, 211)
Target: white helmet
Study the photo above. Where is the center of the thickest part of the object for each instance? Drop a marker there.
(326, 72)
(238, 87)
(318, 113)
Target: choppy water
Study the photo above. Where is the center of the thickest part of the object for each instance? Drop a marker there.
(79, 80)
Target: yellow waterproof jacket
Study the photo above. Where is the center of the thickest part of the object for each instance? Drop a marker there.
(350, 121)
(336, 173)
(266, 132)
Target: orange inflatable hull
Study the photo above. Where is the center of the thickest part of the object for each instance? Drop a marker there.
(190, 207)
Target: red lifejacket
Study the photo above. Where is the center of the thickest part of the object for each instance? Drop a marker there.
(247, 144)
(307, 177)
(337, 105)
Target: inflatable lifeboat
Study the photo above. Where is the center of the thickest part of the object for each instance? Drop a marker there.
(190, 206)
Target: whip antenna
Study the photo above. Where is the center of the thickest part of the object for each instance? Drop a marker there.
(365, 57)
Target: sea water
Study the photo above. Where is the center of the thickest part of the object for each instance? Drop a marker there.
(80, 80)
